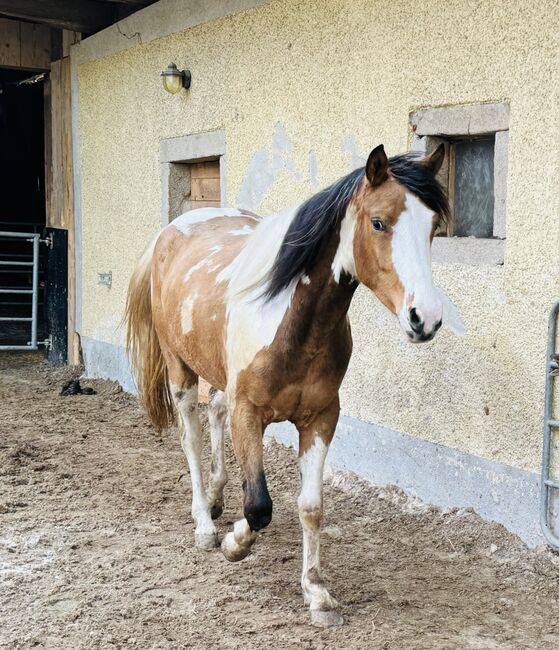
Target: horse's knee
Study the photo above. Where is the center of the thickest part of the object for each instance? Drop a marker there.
(258, 504)
(310, 514)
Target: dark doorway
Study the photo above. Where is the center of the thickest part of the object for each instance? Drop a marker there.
(22, 192)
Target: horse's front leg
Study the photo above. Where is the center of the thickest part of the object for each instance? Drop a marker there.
(246, 434)
(314, 440)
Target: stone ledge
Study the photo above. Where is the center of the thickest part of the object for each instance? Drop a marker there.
(195, 147)
(472, 119)
(468, 250)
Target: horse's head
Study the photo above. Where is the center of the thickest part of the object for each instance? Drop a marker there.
(396, 212)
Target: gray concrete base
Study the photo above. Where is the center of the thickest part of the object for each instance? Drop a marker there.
(433, 473)
(107, 361)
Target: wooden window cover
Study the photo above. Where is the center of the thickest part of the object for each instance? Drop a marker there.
(205, 190)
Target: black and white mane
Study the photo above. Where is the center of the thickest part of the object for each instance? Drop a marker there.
(316, 218)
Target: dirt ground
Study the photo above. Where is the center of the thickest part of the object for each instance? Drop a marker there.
(96, 546)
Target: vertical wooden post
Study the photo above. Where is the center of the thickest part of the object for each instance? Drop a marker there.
(60, 189)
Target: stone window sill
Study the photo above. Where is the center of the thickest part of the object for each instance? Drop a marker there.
(468, 250)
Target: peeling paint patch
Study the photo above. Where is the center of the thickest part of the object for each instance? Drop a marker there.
(313, 171)
(350, 147)
(264, 168)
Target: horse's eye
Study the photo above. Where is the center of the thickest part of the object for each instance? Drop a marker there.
(378, 225)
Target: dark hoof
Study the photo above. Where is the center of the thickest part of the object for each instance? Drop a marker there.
(216, 510)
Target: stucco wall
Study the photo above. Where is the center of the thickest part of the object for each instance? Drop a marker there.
(303, 89)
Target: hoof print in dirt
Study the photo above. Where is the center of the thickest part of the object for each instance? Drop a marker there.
(74, 388)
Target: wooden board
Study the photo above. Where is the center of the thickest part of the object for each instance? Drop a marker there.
(10, 41)
(205, 190)
(24, 45)
(208, 169)
(35, 46)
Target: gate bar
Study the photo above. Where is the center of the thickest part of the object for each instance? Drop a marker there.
(547, 483)
(34, 238)
(14, 319)
(16, 291)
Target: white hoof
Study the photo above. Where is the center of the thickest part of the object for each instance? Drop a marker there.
(206, 541)
(326, 618)
(233, 551)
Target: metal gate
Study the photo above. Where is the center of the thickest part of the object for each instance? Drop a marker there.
(33, 292)
(549, 506)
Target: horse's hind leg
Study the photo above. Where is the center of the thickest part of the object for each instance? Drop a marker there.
(184, 389)
(217, 416)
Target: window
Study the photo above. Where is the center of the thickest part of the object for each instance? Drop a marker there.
(474, 174)
(192, 175)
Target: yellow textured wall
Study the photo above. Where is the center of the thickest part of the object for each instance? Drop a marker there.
(321, 76)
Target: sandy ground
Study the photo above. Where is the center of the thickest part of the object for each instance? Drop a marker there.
(96, 547)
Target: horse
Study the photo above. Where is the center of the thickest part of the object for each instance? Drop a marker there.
(258, 307)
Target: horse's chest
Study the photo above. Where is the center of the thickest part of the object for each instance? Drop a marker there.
(295, 387)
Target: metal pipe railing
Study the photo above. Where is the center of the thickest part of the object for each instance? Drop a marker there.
(34, 239)
(550, 425)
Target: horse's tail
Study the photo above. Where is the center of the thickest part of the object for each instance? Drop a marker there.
(148, 364)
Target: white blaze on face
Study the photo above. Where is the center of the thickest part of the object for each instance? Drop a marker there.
(411, 256)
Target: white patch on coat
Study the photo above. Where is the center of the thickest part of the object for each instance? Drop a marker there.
(411, 256)
(256, 258)
(305, 279)
(311, 466)
(252, 320)
(344, 260)
(214, 249)
(252, 324)
(245, 230)
(187, 309)
(184, 221)
(186, 403)
(194, 268)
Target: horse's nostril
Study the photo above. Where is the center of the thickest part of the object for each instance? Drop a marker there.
(416, 322)
(438, 325)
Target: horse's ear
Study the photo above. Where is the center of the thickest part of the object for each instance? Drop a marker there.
(376, 168)
(435, 160)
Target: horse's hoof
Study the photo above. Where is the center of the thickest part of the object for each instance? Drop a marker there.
(206, 541)
(216, 510)
(326, 618)
(233, 551)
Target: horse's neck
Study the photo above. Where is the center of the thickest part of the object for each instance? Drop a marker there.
(321, 306)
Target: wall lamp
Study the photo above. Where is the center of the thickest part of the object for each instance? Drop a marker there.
(175, 80)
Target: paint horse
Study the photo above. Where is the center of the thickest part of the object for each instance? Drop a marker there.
(259, 309)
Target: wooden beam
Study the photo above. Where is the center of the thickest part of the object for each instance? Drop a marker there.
(85, 16)
(24, 45)
(10, 43)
